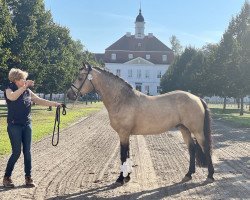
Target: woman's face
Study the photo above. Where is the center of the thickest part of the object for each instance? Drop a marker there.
(20, 83)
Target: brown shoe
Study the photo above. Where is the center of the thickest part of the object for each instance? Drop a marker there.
(29, 181)
(7, 182)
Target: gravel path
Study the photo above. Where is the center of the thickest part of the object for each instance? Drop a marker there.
(86, 164)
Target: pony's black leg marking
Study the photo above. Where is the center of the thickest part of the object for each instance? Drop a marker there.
(210, 177)
(191, 170)
(124, 152)
(124, 155)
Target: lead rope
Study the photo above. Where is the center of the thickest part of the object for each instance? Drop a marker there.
(57, 122)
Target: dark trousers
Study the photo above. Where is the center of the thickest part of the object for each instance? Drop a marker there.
(20, 135)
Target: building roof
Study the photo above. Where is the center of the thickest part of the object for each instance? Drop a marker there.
(99, 57)
(130, 43)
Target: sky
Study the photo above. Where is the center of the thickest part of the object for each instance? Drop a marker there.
(100, 23)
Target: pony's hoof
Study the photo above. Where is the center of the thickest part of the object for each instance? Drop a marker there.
(126, 179)
(210, 180)
(186, 179)
(120, 181)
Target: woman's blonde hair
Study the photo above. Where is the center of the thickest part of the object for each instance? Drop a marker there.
(17, 74)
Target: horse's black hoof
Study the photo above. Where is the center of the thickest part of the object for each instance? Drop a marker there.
(186, 178)
(210, 180)
(126, 179)
(119, 181)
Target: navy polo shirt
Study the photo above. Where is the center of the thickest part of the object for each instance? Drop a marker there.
(19, 111)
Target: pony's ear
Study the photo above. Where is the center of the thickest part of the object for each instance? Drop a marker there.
(89, 67)
(84, 66)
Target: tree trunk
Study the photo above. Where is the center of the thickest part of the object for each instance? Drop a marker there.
(249, 105)
(224, 104)
(238, 102)
(64, 98)
(241, 106)
(50, 98)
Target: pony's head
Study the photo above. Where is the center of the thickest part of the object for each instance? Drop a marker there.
(83, 83)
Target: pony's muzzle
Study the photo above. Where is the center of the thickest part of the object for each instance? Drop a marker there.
(71, 94)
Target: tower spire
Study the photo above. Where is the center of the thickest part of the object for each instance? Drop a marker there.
(139, 25)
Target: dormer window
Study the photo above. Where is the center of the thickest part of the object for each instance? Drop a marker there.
(164, 58)
(148, 56)
(113, 56)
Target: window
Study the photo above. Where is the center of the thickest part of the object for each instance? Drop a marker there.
(118, 72)
(147, 89)
(113, 56)
(159, 74)
(164, 58)
(138, 73)
(139, 44)
(130, 73)
(138, 86)
(147, 56)
(147, 74)
(130, 56)
(158, 89)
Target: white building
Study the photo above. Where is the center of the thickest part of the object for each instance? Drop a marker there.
(139, 59)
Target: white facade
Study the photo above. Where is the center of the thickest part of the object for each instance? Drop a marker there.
(140, 74)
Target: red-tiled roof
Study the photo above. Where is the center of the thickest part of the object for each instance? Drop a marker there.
(130, 43)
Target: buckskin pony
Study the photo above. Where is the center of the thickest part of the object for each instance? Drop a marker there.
(134, 113)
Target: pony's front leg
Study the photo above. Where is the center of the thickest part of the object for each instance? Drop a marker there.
(126, 167)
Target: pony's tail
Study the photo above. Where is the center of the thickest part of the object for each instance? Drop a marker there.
(199, 154)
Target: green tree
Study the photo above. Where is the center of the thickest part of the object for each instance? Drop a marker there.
(32, 23)
(178, 77)
(62, 59)
(235, 56)
(210, 71)
(7, 33)
(176, 45)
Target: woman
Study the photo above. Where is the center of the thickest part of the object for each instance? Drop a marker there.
(19, 99)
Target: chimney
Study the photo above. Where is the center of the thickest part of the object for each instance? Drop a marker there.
(128, 34)
(150, 35)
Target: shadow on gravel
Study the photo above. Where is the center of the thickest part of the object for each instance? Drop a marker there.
(224, 132)
(158, 193)
(3, 189)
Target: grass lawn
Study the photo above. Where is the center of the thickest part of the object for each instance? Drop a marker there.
(231, 114)
(43, 121)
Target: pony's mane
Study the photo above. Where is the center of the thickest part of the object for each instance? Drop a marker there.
(113, 76)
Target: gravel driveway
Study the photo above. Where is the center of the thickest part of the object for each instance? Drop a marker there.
(86, 164)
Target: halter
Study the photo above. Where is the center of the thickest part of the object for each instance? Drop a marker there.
(89, 77)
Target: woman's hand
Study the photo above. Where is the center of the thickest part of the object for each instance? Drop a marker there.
(29, 83)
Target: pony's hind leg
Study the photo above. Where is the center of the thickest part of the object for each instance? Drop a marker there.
(204, 157)
(186, 134)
